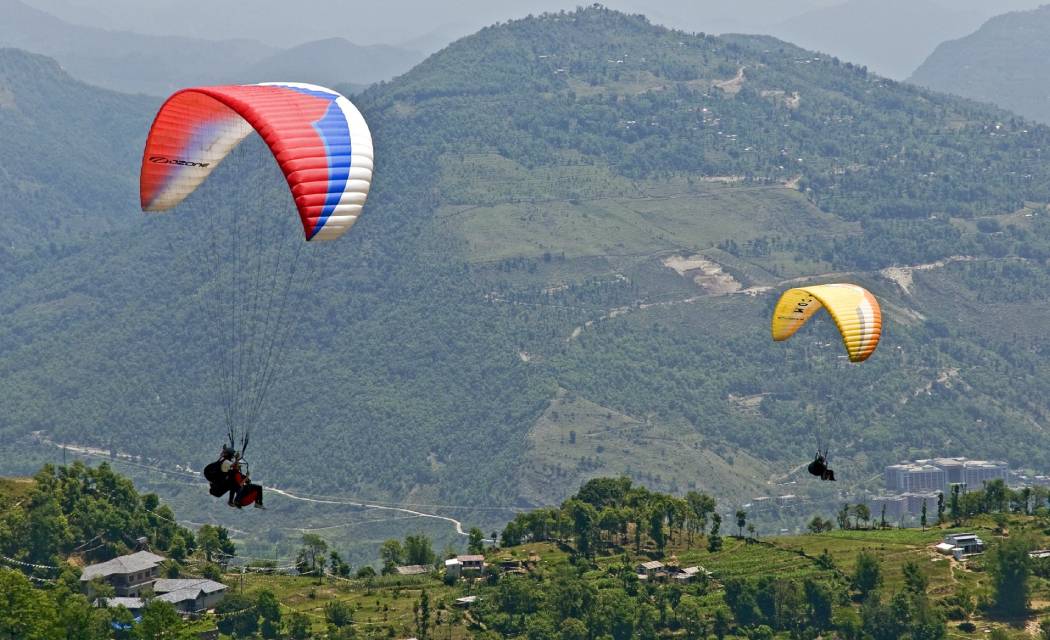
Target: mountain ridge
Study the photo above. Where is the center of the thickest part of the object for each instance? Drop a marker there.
(533, 178)
(158, 65)
(999, 63)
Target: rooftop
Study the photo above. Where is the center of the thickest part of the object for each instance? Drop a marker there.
(169, 585)
(471, 558)
(653, 564)
(412, 569)
(122, 565)
(127, 603)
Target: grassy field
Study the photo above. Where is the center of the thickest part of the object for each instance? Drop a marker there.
(504, 210)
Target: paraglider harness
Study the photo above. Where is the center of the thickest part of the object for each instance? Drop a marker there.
(222, 480)
(819, 466)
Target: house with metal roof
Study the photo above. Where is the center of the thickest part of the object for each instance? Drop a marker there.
(128, 575)
(190, 595)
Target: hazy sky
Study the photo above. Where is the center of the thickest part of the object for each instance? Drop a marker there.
(427, 25)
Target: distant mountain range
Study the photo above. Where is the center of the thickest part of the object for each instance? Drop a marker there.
(1005, 62)
(891, 37)
(137, 63)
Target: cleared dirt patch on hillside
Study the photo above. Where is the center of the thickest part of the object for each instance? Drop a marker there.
(707, 274)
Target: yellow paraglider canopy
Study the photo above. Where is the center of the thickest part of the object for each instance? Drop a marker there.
(855, 311)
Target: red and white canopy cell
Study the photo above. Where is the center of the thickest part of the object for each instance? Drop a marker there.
(319, 138)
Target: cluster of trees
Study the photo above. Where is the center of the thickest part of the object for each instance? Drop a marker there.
(94, 513)
(612, 512)
(416, 549)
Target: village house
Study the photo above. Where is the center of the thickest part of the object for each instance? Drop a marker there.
(652, 570)
(190, 595)
(969, 543)
(129, 575)
(472, 563)
(959, 545)
(689, 574)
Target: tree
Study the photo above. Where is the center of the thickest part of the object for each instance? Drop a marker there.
(311, 557)
(843, 517)
(915, 581)
(24, 611)
(338, 614)
(391, 553)
(862, 512)
(208, 541)
(821, 604)
(516, 595)
(418, 550)
(741, 520)
(269, 609)
(1044, 629)
(337, 566)
(584, 518)
(365, 572)
(882, 518)
(540, 627)
(751, 530)
(995, 493)
(720, 624)
(1011, 568)
(476, 541)
(940, 508)
(741, 598)
(701, 506)
(237, 615)
(922, 518)
(714, 540)
(213, 540)
(298, 626)
(866, 576)
(422, 616)
(161, 619)
(955, 511)
(693, 621)
(573, 629)
(77, 616)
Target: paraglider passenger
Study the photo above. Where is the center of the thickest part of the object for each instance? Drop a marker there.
(247, 492)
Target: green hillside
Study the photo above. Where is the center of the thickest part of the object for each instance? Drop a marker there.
(67, 173)
(579, 205)
(573, 571)
(1003, 63)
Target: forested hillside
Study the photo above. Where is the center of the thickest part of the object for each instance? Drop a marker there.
(1003, 62)
(614, 560)
(578, 226)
